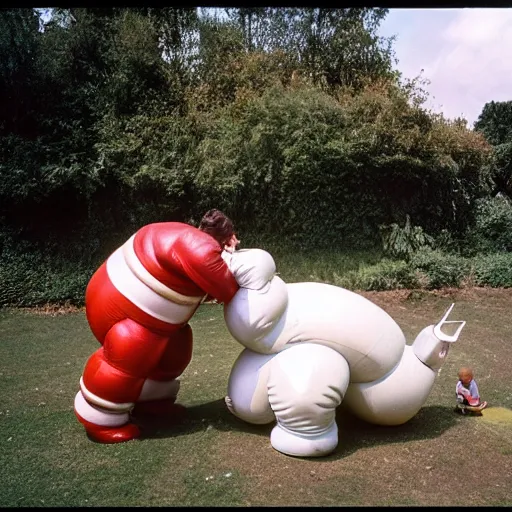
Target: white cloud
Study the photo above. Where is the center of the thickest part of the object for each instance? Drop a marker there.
(465, 53)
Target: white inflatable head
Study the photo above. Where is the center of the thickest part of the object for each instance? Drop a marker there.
(259, 305)
(253, 268)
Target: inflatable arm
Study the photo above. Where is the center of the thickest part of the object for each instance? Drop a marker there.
(204, 265)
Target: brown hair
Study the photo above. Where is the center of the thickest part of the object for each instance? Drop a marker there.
(218, 225)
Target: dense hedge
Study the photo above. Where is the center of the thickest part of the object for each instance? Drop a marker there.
(34, 279)
(297, 162)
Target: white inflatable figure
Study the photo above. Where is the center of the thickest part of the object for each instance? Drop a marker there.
(310, 346)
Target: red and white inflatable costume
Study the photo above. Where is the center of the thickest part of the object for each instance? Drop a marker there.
(138, 304)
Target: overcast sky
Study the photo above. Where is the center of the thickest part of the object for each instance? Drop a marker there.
(465, 53)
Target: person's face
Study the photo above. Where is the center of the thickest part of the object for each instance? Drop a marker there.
(465, 378)
(231, 243)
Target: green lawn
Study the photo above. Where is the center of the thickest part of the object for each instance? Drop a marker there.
(214, 459)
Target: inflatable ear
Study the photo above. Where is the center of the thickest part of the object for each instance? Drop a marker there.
(253, 268)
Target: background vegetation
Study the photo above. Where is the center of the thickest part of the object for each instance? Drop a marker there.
(291, 120)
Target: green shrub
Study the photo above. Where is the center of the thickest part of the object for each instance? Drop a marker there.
(437, 270)
(33, 279)
(399, 242)
(494, 270)
(385, 275)
(493, 226)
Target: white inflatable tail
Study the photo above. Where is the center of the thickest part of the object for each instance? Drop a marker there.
(445, 337)
(432, 344)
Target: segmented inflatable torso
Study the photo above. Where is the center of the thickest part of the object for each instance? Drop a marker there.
(184, 259)
(267, 316)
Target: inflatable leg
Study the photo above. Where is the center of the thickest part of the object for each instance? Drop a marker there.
(397, 396)
(247, 397)
(306, 383)
(113, 379)
(160, 389)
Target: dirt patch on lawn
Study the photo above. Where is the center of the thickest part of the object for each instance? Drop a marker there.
(498, 415)
(49, 309)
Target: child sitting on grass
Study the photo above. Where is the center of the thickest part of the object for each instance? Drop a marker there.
(466, 390)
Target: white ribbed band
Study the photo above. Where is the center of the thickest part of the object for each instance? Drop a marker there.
(136, 267)
(104, 404)
(144, 296)
(99, 416)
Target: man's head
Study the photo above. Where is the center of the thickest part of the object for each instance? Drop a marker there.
(465, 376)
(218, 225)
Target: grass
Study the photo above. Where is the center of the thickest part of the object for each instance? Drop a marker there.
(213, 459)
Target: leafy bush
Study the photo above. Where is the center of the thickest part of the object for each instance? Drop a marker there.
(494, 270)
(403, 242)
(437, 270)
(385, 275)
(417, 163)
(31, 276)
(321, 170)
(33, 280)
(492, 231)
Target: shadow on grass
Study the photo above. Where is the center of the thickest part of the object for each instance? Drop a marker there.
(198, 418)
(430, 422)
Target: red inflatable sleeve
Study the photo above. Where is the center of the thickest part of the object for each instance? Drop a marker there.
(202, 262)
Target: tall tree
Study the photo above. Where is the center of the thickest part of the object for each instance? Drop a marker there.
(332, 46)
(19, 31)
(495, 123)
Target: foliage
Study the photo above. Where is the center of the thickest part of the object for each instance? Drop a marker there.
(265, 153)
(402, 243)
(492, 231)
(19, 52)
(333, 46)
(437, 270)
(289, 119)
(494, 270)
(500, 168)
(32, 279)
(149, 161)
(355, 162)
(418, 163)
(495, 123)
(384, 275)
